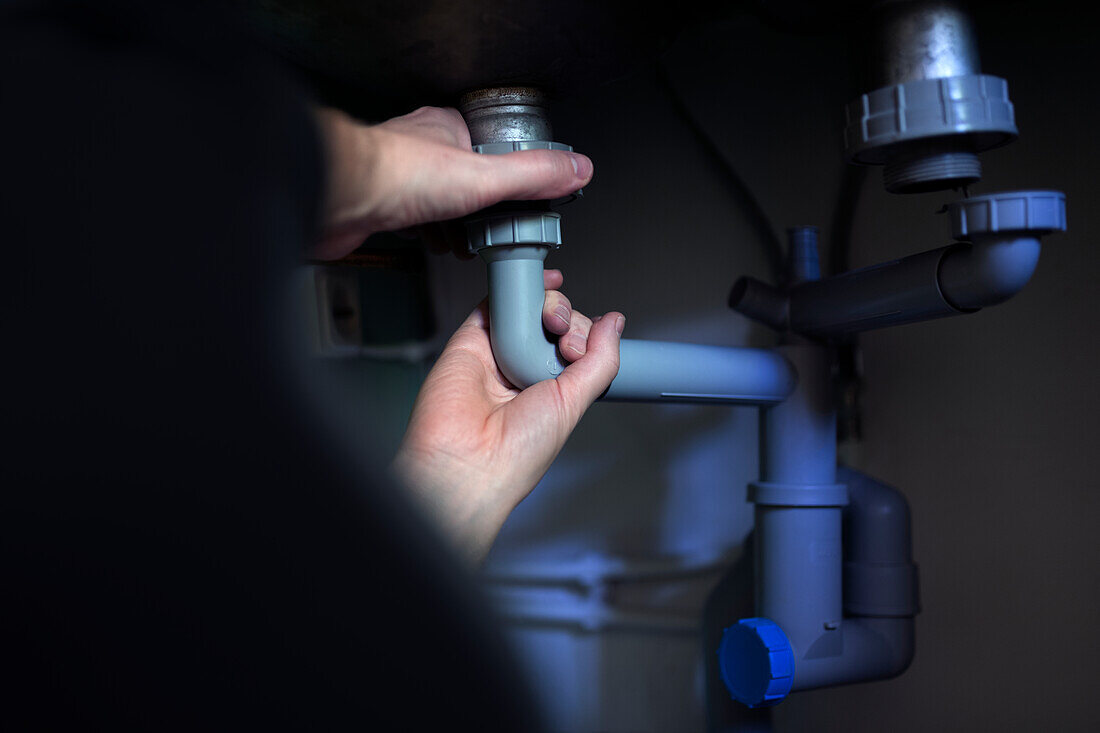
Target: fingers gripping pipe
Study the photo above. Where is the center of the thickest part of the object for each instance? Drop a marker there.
(522, 351)
(514, 240)
(649, 371)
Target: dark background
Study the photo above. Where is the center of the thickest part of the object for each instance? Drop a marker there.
(988, 422)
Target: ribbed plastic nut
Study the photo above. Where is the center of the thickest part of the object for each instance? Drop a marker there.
(975, 105)
(756, 662)
(539, 227)
(517, 145)
(1037, 212)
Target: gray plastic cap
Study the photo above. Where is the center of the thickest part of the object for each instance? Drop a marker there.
(517, 145)
(1037, 212)
(514, 146)
(975, 105)
(537, 227)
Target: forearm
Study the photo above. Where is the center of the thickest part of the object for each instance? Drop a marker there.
(420, 168)
(476, 445)
(351, 155)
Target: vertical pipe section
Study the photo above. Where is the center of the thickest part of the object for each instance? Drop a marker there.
(649, 371)
(880, 589)
(523, 352)
(880, 578)
(845, 604)
(920, 39)
(799, 446)
(506, 114)
(798, 513)
(914, 40)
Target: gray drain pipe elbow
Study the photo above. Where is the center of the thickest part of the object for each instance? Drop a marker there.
(988, 272)
(649, 371)
(1003, 230)
(520, 346)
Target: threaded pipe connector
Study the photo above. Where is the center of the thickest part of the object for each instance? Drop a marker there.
(931, 172)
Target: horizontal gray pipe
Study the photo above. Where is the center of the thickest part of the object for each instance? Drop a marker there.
(890, 294)
(649, 371)
(959, 278)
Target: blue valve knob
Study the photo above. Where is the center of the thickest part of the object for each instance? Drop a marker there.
(756, 662)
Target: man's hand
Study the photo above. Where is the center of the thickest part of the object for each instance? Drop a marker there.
(476, 445)
(419, 169)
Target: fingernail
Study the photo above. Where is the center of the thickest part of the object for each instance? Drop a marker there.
(620, 324)
(582, 166)
(563, 313)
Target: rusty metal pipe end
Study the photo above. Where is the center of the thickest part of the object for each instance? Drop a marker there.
(506, 114)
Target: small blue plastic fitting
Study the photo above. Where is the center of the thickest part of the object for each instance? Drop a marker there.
(756, 662)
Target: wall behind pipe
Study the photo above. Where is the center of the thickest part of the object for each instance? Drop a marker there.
(989, 422)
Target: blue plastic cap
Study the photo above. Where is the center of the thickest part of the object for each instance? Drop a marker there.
(756, 662)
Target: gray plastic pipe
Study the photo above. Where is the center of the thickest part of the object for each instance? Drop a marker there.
(960, 278)
(989, 271)
(649, 371)
(834, 569)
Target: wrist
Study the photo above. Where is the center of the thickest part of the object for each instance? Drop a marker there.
(463, 500)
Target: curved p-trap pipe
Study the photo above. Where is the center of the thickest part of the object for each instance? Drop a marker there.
(649, 371)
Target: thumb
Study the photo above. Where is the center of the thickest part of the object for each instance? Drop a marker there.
(536, 174)
(589, 377)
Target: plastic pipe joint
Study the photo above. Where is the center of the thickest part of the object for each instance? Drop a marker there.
(932, 110)
(1003, 230)
(514, 239)
(649, 371)
(997, 255)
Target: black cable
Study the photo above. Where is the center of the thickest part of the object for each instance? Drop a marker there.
(849, 363)
(758, 219)
(840, 230)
